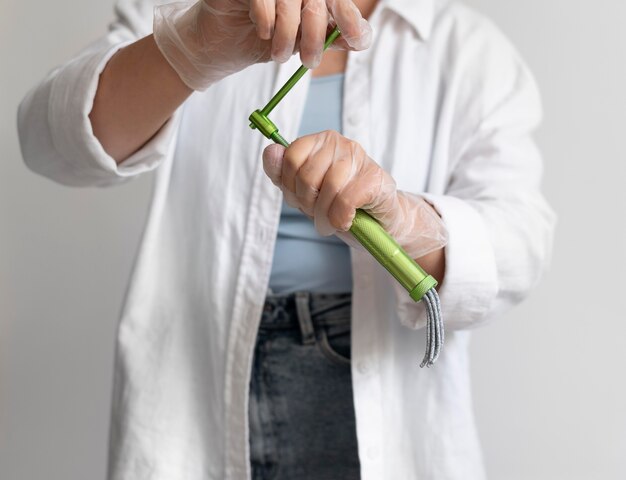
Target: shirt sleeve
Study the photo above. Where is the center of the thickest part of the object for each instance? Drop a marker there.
(55, 132)
(499, 223)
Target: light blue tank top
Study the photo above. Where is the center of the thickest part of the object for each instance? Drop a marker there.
(303, 259)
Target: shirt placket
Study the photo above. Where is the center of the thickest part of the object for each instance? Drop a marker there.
(253, 276)
(357, 126)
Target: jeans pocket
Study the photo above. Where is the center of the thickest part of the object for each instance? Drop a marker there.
(334, 343)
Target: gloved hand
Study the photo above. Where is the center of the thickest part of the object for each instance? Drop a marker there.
(211, 39)
(328, 177)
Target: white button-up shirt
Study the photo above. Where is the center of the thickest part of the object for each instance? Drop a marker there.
(443, 102)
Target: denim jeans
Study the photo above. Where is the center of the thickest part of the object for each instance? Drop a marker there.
(301, 411)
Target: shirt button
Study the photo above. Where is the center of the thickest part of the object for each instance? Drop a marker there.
(264, 235)
(363, 366)
(372, 452)
(353, 119)
(359, 58)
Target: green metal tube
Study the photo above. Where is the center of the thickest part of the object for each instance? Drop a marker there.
(295, 77)
(384, 248)
(365, 229)
(289, 84)
(391, 255)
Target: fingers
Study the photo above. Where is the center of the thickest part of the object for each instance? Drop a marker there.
(355, 30)
(327, 177)
(363, 189)
(346, 165)
(314, 23)
(304, 164)
(286, 30)
(263, 15)
(308, 179)
(303, 23)
(297, 153)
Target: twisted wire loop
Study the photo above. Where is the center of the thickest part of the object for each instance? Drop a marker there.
(434, 328)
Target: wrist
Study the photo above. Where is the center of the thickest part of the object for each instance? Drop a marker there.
(420, 229)
(181, 39)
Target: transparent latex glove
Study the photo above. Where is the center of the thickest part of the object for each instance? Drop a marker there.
(211, 39)
(328, 177)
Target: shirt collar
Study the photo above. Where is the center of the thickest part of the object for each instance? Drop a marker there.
(419, 13)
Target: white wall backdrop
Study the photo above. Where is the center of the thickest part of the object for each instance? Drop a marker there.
(550, 393)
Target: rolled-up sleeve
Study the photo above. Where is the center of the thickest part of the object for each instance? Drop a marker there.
(500, 225)
(55, 132)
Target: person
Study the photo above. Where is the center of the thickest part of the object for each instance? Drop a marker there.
(255, 340)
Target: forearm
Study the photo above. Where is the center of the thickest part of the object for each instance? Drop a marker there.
(138, 91)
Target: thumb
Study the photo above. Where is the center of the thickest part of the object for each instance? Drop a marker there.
(273, 163)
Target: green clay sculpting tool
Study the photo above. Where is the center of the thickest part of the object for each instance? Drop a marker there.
(370, 234)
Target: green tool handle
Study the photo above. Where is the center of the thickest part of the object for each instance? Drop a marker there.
(365, 229)
(391, 255)
(385, 249)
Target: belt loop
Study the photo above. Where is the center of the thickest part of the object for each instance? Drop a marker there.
(304, 318)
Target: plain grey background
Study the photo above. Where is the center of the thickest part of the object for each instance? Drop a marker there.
(549, 381)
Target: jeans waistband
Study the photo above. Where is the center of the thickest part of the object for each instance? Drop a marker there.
(299, 309)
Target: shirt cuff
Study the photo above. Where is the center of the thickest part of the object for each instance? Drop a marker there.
(470, 284)
(71, 100)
